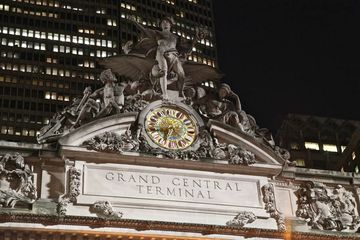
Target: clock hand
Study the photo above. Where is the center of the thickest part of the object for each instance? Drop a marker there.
(169, 132)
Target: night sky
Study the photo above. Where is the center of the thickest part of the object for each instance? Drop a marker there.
(291, 56)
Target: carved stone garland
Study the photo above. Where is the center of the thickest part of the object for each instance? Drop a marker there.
(270, 206)
(327, 210)
(73, 193)
(104, 209)
(242, 219)
(209, 148)
(16, 181)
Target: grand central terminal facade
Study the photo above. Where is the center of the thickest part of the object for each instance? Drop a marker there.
(155, 154)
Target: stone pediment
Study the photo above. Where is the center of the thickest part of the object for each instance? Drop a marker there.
(125, 133)
(118, 123)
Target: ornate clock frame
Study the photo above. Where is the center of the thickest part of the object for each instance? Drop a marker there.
(185, 111)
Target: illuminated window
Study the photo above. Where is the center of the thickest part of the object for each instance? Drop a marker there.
(47, 95)
(3, 129)
(4, 7)
(111, 22)
(330, 147)
(53, 95)
(25, 132)
(37, 34)
(74, 39)
(300, 162)
(353, 155)
(312, 145)
(10, 131)
(101, 11)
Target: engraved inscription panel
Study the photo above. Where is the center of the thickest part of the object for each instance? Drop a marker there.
(126, 183)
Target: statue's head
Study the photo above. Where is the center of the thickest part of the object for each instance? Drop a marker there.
(166, 23)
(224, 90)
(107, 76)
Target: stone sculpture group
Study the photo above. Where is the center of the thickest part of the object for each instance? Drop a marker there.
(131, 82)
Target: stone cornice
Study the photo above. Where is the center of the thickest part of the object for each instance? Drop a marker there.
(141, 225)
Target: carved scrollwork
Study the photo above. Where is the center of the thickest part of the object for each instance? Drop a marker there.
(327, 210)
(104, 209)
(73, 193)
(242, 219)
(16, 181)
(270, 206)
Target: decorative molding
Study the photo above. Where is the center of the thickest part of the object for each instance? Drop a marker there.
(104, 209)
(142, 225)
(242, 219)
(16, 181)
(73, 193)
(327, 210)
(270, 206)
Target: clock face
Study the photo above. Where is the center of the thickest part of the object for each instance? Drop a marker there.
(170, 128)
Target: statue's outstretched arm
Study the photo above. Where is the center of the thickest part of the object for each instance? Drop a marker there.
(98, 93)
(185, 46)
(145, 32)
(237, 101)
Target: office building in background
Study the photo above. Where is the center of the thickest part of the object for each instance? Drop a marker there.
(318, 142)
(49, 50)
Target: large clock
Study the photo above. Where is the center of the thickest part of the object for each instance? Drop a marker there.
(171, 128)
